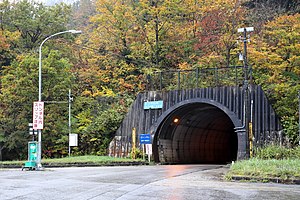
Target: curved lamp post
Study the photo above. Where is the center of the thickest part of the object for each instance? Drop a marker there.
(39, 158)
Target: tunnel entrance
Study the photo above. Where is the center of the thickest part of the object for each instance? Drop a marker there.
(195, 133)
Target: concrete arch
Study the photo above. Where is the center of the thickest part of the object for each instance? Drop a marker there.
(204, 134)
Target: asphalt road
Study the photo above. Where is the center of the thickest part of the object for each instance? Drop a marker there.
(174, 182)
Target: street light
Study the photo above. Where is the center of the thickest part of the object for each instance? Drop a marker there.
(39, 165)
(247, 119)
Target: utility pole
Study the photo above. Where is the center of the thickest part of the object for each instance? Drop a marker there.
(70, 99)
(247, 119)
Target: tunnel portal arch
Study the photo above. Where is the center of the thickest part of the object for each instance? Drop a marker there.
(204, 133)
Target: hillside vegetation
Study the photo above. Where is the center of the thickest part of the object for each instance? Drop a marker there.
(122, 42)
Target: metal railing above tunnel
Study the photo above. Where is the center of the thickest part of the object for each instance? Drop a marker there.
(196, 78)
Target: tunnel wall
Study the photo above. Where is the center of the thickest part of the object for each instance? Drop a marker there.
(266, 125)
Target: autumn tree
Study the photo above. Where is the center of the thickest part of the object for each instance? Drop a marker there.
(217, 36)
(263, 11)
(107, 57)
(276, 60)
(82, 10)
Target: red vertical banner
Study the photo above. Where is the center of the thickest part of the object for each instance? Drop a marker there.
(38, 115)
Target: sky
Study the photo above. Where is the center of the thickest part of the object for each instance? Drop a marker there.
(56, 1)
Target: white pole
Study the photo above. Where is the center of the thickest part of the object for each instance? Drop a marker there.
(143, 151)
(299, 115)
(149, 155)
(69, 121)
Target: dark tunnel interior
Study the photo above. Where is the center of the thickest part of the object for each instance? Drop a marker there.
(196, 133)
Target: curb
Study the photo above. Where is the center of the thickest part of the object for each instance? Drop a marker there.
(61, 165)
(263, 180)
(111, 164)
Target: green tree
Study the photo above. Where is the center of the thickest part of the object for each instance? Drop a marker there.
(34, 21)
(19, 89)
(15, 100)
(97, 120)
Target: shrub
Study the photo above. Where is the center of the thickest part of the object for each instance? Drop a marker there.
(277, 152)
(290, 127)
(137, 154)
(297, 152)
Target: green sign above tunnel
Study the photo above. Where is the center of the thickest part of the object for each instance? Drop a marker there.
(153, 105)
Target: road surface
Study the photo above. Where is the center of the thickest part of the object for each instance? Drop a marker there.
(170, 182)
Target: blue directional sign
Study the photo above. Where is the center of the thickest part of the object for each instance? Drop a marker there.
(153, 105)
(145, 139)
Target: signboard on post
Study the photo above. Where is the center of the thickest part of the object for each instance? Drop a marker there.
(38, 115)
(73, 140)
(145, 139)
(149, 150)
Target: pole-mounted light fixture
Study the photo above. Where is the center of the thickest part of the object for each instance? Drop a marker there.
(75, 31)
(39, 165)
(247, 119)
(248, 29)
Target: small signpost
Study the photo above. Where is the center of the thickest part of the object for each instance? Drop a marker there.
(145, 139)
(38, 124)
(31, 131)
(32, 150)
(149, 150)
(73, 141)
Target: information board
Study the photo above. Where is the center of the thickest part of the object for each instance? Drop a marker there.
(153, 105)
(145, 139)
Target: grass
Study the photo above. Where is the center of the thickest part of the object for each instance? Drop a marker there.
(285, 169)
(77, 160)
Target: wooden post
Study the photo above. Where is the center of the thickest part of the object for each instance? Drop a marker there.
(250, 139)
(133, 142)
